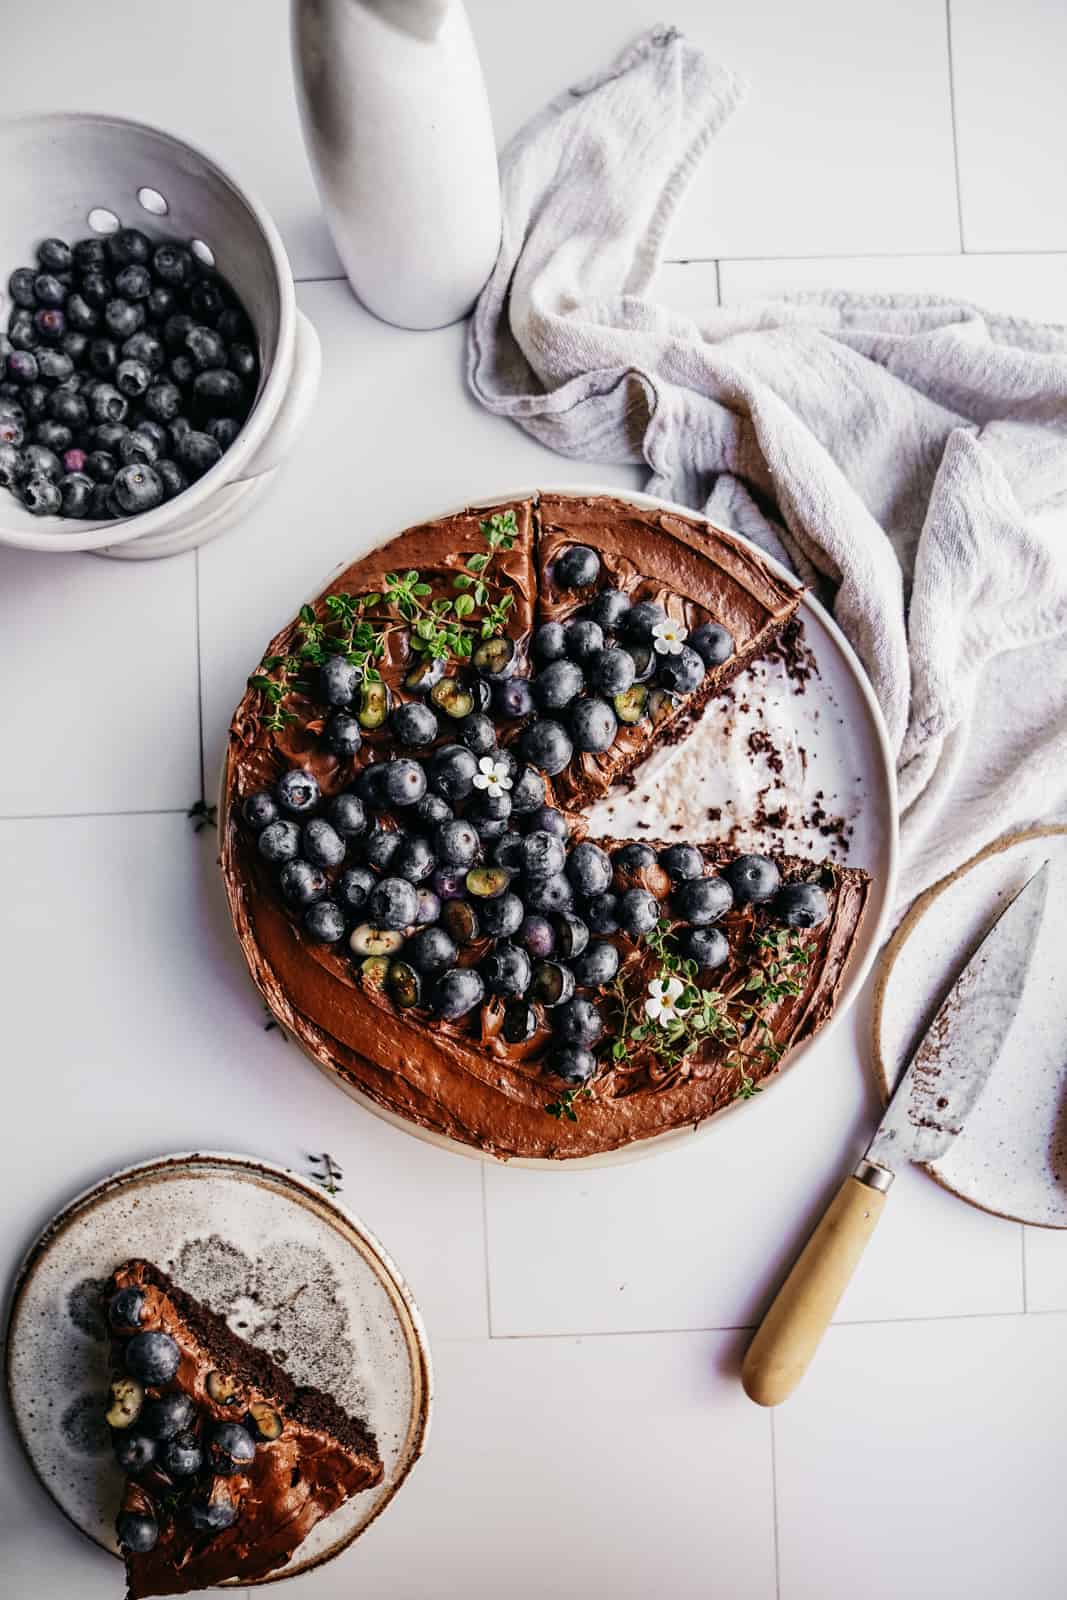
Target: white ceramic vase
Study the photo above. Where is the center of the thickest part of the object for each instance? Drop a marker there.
(398, 129)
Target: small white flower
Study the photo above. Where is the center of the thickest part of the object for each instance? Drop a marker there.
(668, 638)
(662, 1003)
(492, 775)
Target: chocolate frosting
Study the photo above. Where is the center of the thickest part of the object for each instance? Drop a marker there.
(293, 1482)
(462, 1079)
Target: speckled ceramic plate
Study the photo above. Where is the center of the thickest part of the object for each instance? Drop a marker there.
(1011, 1157)
(795, 758)
(287, 1267)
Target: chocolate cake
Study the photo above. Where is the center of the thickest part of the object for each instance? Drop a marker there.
(229, 1463)
(405, 833)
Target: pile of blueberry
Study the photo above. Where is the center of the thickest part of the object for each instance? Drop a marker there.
(390, 866)
(163, 1442)
(127, 369)
(613, 661)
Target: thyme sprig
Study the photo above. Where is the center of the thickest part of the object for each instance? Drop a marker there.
(563, 1108)
(326, 1171)
(357, 626)
(202, 816)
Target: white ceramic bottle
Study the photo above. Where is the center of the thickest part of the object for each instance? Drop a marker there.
(397, 125)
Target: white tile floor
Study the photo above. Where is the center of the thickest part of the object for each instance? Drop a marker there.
(591, 1438)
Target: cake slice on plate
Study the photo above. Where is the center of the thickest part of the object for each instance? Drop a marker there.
(229, 1464)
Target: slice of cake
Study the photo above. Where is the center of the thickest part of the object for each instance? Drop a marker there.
(229, 1464)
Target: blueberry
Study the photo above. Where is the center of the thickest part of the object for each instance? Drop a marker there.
(393, 903)
(452, 771)
(801, 905)
(578, 1022)
(134, 282)
(432, 951)
(325, 922)
(182, 1456)
(96, 287)
(128, 244)
(175, 330)
(75, 346)
(602, 913)
(449, 883)
(507, 851)
(611, 672)
(631, 859)
(174, 265)
(478, 733)
(232, 324)
(123, 317)
(108, 405)
(22, 366)
(597, 966)
(134, 1452)
(198, 453)
(545, 744)
(549, 894)
(132, 378)
(322, 844)
(137, 487)
(712, 643)
(537, 936)
(552, 984)
(354, 886)
(100, 506)
(638, 912)
(431, 811)
(682, 861)
(641, 619)
(428, 908)
(126, 1308)
(152, 1357)
(53, 435)
(168, 1414)
(342, 734)
(211, 1516)
(297, 792)
(572, 1063)
(456, 843)
(141, 446)
(550, 642)
(547, 819)
(503, 917)
(527, 792)
(543, 855)
(414, 724)
(50, 324)
(489, 829)
(40, 462)
(34, 399)
(10, 464)
(219, 392)
(576, 568)
(89, 253)
(520, 1022)
(242, 360)
(137, 1532)
(109, 435)
(162, 400)
(54, 366)
(259, 809)
(49, 290)
(593, 725)
(608, 608)
(513, 698)
(558, 684)
(589, 868)
(681, 673)
(704, 900)
(54, 255)
(708, 947)
(160, 303)
(230, 1448)
(753, 879)
(41, 497)
(206, 299)
(507, 970)
(456, 992)
(379, 848)
(572, 934)
(301, 883)
(20, 286)
(585, 638)
(207, 350)
(347, 815)
(414, 860)
(75, 494)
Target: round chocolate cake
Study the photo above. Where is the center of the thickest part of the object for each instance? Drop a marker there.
(406, 842)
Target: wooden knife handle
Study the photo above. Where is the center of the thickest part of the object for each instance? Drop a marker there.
(789, 1335)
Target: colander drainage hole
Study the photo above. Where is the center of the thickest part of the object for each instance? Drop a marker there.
(151, 200)
(101, 220)
(203, 252)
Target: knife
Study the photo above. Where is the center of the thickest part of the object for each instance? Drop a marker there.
(927, 1111)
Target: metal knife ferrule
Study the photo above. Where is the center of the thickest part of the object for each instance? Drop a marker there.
(873, 1175)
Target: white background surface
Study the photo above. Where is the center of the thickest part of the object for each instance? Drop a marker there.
(591, 1438)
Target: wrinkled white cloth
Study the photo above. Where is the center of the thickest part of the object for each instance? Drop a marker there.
(905, 455)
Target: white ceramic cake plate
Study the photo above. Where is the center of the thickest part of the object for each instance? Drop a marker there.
(289, 1269)
(812, 759)
(1011, 1157)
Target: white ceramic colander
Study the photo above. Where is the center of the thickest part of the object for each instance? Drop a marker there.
(71, 175)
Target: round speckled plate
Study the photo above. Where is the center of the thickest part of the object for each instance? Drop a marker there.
(286, 1266)
(1011, 1157)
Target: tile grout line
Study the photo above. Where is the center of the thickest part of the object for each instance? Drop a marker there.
(76, 816)
(750, 1327)
(774, 1508)
(199, 677)
(952, 117)
(718, 283)
(857, 255)
(1022, 1263)
(485, 1253)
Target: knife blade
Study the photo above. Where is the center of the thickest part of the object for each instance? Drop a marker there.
(958, 1051)
(927, 1111)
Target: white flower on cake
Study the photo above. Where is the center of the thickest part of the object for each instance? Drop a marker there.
(492, 775)
(668, 638)
(662, 1003)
